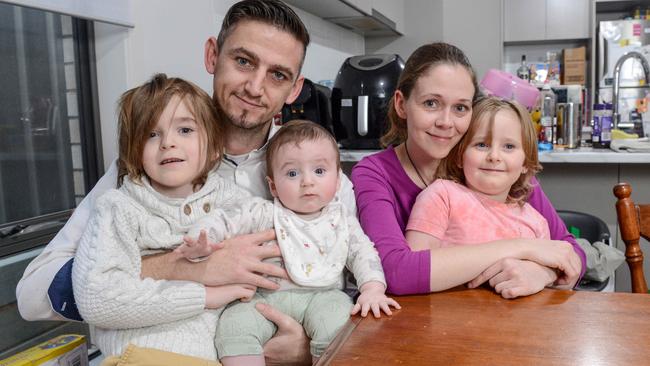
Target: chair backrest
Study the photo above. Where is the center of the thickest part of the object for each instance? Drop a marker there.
(591, 227)
(634, 223)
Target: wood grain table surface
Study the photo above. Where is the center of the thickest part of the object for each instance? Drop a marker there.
(478, 327)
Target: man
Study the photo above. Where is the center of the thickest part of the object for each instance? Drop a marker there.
(256, 62)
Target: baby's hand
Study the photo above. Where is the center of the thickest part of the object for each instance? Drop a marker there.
(373, 298)
(218, 296)
(196, 250)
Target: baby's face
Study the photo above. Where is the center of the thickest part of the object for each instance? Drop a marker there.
(305, 176)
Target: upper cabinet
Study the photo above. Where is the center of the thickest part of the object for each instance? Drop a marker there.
(367, 17)
(542, 20)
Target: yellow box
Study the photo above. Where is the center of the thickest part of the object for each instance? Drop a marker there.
(64, 350)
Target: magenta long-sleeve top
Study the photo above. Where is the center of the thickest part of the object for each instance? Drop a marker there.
(385, 196)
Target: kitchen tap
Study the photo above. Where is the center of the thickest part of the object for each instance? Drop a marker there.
(617, 76)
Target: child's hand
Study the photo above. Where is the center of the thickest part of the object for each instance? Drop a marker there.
(196, 250)
(557, 254)
(373, 298)
(218, 296)
(513, 277)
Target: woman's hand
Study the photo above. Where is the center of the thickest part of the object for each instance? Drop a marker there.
(373, 298)
(513, 278)
(556, 254)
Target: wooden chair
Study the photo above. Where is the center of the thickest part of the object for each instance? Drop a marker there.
(634, 222)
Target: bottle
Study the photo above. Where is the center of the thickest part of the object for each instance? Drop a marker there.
(606, 126)
(523, 72)
(586, 134)
(597, 118)
(548, 117)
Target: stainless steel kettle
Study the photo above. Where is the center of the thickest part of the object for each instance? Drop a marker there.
(568, 124)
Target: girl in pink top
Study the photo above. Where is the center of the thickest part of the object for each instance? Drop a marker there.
(429, 114)
(486, 180)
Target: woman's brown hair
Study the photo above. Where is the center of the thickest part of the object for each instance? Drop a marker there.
(421, 60)
(485, 110)
(139, 111)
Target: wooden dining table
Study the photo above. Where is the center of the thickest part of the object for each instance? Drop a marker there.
(478, 327)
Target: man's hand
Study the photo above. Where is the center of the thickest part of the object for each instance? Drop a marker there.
(290, 344)
(373, 298)
(239, 261)
(515, 277)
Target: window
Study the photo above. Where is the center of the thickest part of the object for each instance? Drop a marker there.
(49, 147)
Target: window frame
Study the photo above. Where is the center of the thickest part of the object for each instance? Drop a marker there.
(92, 154)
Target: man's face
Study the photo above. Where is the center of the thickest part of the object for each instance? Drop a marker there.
(255, 72)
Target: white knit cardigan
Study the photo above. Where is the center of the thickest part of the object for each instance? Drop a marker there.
(127, 223)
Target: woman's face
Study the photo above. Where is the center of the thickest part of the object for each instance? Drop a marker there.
(439, 109)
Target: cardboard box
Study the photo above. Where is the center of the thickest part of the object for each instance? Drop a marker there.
(573, 72)
(64, 350)
(575, 54)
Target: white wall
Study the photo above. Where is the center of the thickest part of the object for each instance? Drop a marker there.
(169, 36)
(475, 27)
(330, 46)
(112, 75)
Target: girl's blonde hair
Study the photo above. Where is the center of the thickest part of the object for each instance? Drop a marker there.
(139, 111)
(485, 109)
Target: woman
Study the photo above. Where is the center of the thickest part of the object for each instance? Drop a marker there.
(429, 113)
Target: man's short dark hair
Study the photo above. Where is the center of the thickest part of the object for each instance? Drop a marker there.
(272, 12)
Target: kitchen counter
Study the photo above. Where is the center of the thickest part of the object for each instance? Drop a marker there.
(581, 155)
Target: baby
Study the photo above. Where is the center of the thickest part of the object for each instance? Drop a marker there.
(318, 238)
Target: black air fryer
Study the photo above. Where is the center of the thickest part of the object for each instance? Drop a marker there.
(313, 104)
(362, 90)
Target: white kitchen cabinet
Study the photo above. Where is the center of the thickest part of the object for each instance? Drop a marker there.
(524, 20)
(567, 19)
(545, 20)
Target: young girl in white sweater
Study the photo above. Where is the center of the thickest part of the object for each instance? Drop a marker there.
(169, 145)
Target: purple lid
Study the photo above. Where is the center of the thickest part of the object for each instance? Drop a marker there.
(608, 105)
(599, 106)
